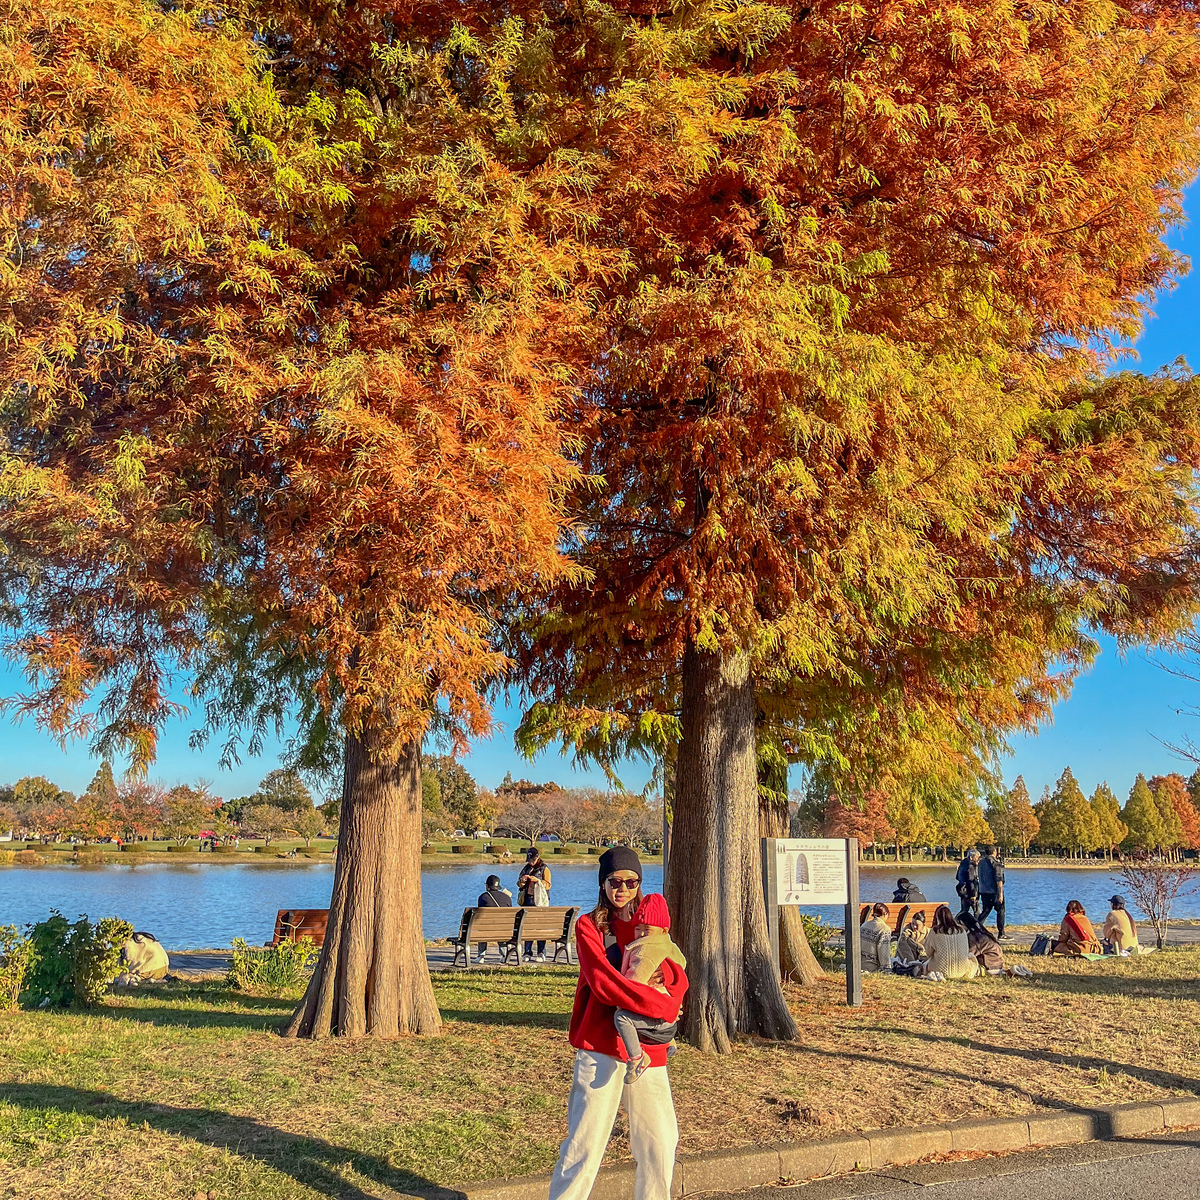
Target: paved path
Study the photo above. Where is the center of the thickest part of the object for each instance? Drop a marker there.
(1163, 1167)
(212, 964)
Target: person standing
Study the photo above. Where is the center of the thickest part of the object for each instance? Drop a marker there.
(967, 882)
(991, 889)
(598, 1088)
(494, 896)
(533, 886)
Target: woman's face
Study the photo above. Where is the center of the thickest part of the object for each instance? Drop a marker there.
(621, 888)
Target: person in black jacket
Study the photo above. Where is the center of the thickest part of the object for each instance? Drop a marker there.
(991, 889)
(967, 883)
(496, 896)
(907, 892)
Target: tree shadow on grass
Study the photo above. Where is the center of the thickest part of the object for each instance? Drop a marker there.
(201, 1018)
(1083, 1062)
(307, 1160)
(525, 1020)
(1127, 987)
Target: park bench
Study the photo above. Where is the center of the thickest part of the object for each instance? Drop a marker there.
(509, 927)
(291, 924)
(899, 913)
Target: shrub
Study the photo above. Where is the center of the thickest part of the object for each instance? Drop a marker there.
(16, 957)
(272, 969)
(818, 934)
(74, 963)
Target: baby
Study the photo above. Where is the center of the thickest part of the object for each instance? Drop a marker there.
(651, 947)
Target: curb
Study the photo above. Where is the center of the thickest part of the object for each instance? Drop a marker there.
(796, 1162)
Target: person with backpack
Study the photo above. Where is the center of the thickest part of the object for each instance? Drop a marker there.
(493, 896)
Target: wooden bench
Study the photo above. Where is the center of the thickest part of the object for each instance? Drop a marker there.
(900, 912)
(509, 927)
(291, 924)
(550, 925)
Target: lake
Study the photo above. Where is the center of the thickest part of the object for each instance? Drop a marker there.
(193, 905)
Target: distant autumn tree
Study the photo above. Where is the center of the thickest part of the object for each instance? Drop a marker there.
(855, 445)
(1179, 820)
(279, 402)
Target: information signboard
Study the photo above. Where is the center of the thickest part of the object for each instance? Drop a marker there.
(814, 872)
(811, 871)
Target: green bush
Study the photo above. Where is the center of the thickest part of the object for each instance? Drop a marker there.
(272, 969)
(73, 963)
(16, 957)
(818, 934)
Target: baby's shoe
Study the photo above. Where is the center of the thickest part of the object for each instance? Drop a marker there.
(672, 1050)
(635, 1066)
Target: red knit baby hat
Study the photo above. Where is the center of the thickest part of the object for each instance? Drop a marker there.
(653, 911)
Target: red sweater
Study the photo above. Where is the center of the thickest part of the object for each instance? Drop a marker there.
(602, 989)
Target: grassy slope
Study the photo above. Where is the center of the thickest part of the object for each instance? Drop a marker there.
(175, 1089)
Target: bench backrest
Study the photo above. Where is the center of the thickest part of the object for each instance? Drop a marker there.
(291, 924)
(899, 913)
(548, 922)
(491, 924)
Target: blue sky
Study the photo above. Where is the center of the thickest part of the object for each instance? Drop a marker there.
(1114, 725)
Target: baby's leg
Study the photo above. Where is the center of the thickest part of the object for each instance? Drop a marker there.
(627, 1027)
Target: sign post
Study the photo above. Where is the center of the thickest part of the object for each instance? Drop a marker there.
(853, 937)
(814, 871)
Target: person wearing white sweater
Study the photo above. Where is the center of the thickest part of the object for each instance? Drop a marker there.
(947, 949)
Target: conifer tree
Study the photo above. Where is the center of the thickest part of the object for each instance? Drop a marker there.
(1142, 818)
(1080, 825)
(1024, 821)
(1111, 830)
(1181, 822)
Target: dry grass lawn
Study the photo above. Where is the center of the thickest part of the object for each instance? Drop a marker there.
(177, 1089)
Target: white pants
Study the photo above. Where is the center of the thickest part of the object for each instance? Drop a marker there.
(597, 1091)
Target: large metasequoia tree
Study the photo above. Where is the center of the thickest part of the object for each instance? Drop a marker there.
(279, 403)
(848, 421)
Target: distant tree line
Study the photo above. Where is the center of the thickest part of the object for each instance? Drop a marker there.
(133, 810)
(1161, 815)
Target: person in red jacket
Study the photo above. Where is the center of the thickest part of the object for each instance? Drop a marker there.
(599, 1089)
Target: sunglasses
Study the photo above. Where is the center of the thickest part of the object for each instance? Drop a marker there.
(622, 885)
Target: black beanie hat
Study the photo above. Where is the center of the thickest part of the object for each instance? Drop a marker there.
(619, 858)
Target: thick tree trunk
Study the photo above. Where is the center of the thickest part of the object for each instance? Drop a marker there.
(372, 978)
(715, 890)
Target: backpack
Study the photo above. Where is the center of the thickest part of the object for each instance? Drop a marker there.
(1041, 945)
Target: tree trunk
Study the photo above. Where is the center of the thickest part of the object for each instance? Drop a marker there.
(372, 978)
(715, 890)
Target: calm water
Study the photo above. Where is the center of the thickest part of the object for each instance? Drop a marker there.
(193, 905)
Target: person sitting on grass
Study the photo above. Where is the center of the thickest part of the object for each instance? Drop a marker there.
(911, 946)
(948, 953)
(984, 945)
(875, 944)
(1076, 935)
(1119, 930)
(650, 948)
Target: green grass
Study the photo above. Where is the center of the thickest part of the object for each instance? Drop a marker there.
(174, 1089)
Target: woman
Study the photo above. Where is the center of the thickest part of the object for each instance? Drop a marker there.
(598, 1088)
(984, 946)
(911, 946)
(948, 954)
(1076, 935)
(875, 941)
(533, 886)
(1119, 930)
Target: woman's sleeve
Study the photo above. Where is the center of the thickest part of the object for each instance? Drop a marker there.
(546, 881)
(611, 987)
